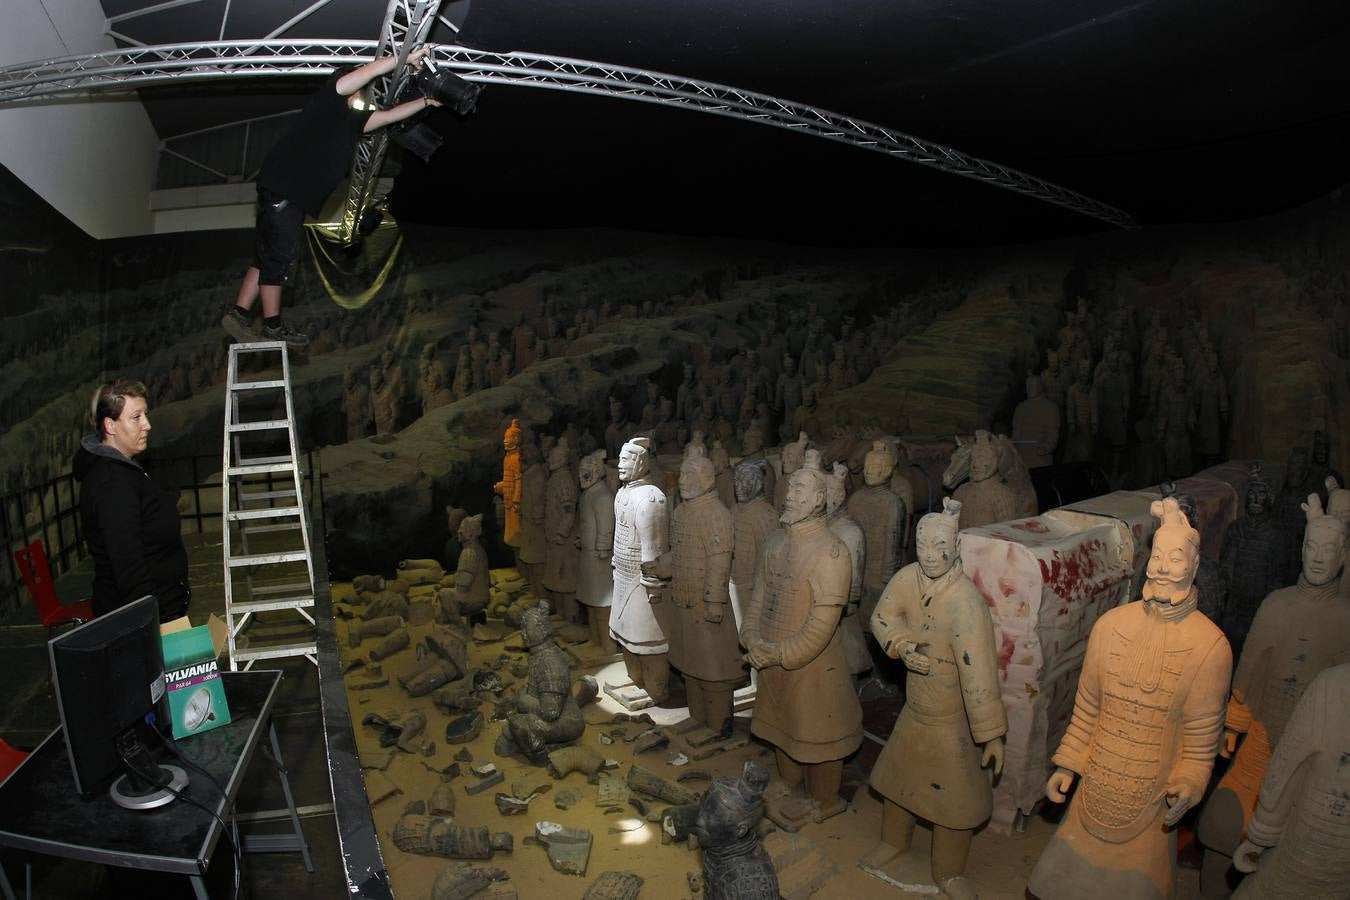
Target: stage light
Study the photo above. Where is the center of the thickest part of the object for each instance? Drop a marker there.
(447, 88)
(418, 138)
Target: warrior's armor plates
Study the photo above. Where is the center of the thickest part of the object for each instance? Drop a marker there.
(640, 535)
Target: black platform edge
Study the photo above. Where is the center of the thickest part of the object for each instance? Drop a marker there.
(366, 873)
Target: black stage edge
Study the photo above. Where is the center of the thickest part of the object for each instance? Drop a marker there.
(367, 876)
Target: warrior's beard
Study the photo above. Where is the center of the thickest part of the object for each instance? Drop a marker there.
(1166, 590)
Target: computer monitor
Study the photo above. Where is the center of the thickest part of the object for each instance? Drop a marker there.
(108, 675)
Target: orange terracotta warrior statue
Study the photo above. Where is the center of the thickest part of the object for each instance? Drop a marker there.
(1145, 729)
(933, 618)
(509, 486)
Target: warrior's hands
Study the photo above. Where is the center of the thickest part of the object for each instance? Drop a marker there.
(1230, 742)
(993, 752)
(1247, 857)
(1057, 788)
(908, 653)
(763, 654)
(1179, 800)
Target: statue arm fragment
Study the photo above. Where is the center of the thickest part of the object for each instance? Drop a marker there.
(1202, 723)
(1076, 745)
(829, 593)
(976, 654)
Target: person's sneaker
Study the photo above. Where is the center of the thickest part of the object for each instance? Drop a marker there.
(239, 327)
(296, 340)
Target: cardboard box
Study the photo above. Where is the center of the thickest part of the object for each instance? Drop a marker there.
(192, 675)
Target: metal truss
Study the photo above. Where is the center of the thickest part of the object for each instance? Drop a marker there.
(406, 24)
(235, 59)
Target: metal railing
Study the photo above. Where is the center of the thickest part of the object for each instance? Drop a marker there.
(51, 511)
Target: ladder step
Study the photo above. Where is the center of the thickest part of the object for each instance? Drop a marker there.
(267, 495)
(267, 559)
(264, 460)
(257, 346)
(270, 384)
(276, 651)
(288, 587)
(260, 468)
(268, 425)
(243, 607)
(265, 529)
(275, 512)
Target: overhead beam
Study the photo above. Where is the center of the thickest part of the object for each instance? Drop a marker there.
(143, 66)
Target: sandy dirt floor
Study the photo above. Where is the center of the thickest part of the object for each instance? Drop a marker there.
(623, 841)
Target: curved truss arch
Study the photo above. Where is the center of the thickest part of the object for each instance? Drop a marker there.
(144, 66)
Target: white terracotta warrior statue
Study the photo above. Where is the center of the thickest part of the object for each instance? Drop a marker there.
(702, 632)
(933, 618)
(641, 527)
(1146, 724)
(806, 706)
(851, 534)
(985, 499)
(1302, 807)
(885, 522)
(1298, 632)
(560, 526)
(595, 529)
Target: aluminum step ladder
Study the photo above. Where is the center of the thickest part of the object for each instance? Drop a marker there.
(265, 527)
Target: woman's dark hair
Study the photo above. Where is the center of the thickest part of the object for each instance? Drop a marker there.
(110, 399)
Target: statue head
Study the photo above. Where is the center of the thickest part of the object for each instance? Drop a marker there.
(789, 364)
(794, 453)
(558, 456)
(470, 529)
(1035, 387)
(635, 459)
(511, 439)
(688, 373)
(1175, 555)
(808, 395)
(1259, 499)
(592, 469)
(937, 539)
(696, 473)
(428, 351)
(983, 457)
(653, 392)
(805, 495)
(732, 807)
(835, 491)
(615, 410)
(1338, 500)
(749, 477)
(1323, 544)
(721, 460)
(454, 517)
(878, 464)
(1052, 360)
(535, 628)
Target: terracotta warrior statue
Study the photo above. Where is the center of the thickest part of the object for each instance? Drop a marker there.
(1035, 426)
(1252, 560)
(934, 619)
(595, 572)
(472, 579)
(702, 631)
(509, 486)
(547, 714)
(752, 521)
(735, 864)
(885, 524)
(1298, 632)
(640, 540)
(985, 499)
(850, 534)
(806, 706)
(1146, 722)
(532, 551)
(793, 454)
(560, 528)
(1301, 812)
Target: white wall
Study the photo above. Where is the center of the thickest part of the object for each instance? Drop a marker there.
(93, 160)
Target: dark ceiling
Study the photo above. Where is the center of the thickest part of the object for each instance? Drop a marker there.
(1170, 111)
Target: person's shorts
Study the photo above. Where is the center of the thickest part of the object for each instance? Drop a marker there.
(276, 237)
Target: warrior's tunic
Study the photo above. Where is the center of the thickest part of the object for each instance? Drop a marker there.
(701, 540)
(560, 527)
(595, 573)
(640, 536)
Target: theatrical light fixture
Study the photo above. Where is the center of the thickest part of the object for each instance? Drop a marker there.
(447, 88)
(417, 138)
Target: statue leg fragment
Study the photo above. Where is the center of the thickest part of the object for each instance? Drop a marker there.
(632, 663)
(822, 786)
(951, 847)
(600, 637)
(789, 770)
(693, 689)
(717, 700)
(656, 675)
(897, 832)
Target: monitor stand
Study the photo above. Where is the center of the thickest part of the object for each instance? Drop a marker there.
(169, 782)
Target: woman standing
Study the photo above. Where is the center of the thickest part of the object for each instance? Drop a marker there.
(130, 523)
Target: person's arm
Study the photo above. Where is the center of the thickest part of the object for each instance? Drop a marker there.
(118, 518)
(383, 118)
(358, 78)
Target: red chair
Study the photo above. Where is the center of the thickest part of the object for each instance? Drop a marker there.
(32, 563)
(9, 761)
